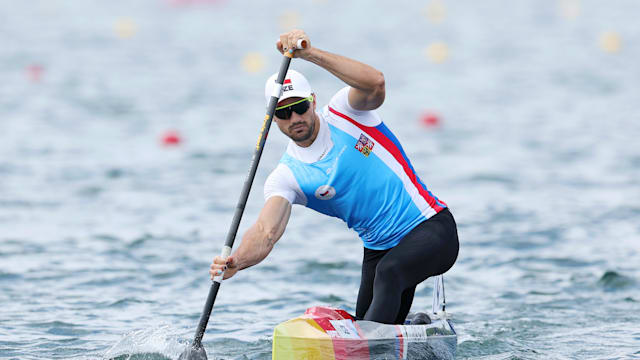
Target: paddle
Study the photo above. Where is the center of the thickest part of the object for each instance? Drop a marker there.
(195, 351)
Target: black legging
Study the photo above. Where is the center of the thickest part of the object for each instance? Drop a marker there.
(389, 277)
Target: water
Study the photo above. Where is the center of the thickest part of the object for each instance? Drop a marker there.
(106, 236)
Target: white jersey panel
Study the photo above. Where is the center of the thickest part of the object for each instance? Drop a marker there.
(281, 182)
(317, 150)
(340, 102)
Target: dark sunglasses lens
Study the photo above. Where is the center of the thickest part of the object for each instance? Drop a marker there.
(301, 108)
(284, 114)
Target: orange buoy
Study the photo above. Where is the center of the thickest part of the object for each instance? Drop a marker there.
(610, 42)
(437, 52)
(253, 62)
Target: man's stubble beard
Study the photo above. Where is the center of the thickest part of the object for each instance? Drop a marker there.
(306, 136)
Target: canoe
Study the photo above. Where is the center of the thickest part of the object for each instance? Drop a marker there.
(328, 333)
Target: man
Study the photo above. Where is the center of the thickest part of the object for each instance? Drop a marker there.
(344, 162)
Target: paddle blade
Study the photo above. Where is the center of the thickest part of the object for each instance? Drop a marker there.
(193, 353)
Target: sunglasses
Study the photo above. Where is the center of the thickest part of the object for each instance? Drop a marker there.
(300, 107)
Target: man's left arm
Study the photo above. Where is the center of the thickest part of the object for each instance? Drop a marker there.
(367, 84)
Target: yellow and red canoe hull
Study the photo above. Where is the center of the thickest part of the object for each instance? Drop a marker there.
(332, 334)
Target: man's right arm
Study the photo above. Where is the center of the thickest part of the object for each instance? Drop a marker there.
(258, 240)
(367, 83)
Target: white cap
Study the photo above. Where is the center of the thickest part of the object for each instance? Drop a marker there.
(295, 85)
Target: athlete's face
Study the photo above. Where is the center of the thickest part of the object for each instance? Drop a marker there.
(299, 127)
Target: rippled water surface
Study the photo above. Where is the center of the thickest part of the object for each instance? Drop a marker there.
(106, 235)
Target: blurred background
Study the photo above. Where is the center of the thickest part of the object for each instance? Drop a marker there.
(127, 129)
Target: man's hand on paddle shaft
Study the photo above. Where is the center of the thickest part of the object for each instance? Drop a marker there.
(258, 240)
(289, 41)
(219, 264)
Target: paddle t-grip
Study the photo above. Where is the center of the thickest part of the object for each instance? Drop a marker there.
(301, 44)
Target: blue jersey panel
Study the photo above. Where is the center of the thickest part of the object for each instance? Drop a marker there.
(359, 189)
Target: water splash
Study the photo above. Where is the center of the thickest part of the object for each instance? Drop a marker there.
(148, 344)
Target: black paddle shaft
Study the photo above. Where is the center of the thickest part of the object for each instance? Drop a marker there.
(231, 235)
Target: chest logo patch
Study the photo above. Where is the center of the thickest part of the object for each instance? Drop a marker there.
(364, 145)
(325, 192)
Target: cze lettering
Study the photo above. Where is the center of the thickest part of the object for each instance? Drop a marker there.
(287, 88)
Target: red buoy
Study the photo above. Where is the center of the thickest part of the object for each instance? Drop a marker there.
(171, 138)
(430, 119)
(34, 72)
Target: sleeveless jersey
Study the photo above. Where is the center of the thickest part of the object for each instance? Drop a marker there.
(355, 170)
